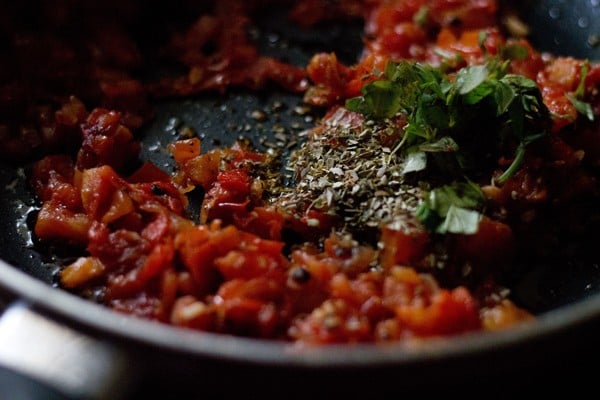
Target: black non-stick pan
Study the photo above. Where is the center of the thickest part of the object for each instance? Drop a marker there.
(56, 345)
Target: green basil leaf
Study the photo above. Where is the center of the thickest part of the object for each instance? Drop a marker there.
(519, 81)
(580, 91)
(452, 208)
(504, 95)
(415, 162)
(444, 145)
(461, 221)
(421, 16)
(515, 52)
(479, 93)
(469, 78)
(582, 107)
(380, 100)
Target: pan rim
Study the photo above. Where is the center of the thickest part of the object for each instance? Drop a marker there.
(104, 323)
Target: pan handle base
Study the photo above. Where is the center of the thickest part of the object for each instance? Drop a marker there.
(49, 359)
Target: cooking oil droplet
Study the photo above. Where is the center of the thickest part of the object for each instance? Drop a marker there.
(23, 210)
(172, 124)
(156, 147)
(554, 13)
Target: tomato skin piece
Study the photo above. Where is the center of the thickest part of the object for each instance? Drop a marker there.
(363, 73)
(51, 176)
(560, 77)
(246, 256)
(148, 173)
(531, 66)
(333, 322)
(503, 315)
(184, 150)
(402, 246)
(191, 313)
(83, 270)
(120, 250)
(270, 69)
(159, 259)
(261, 221)
(106, 141)
(363, 292)
(450, 313)
(468, 14)
(137, 279)
(524, 189)
(198, 248)
(492, 245)
(142, 305)
(203, 169)
(312, 225)
(249, 307)
(390, 14)
(158, 229)
(236, 181)
(405, 40)
(245, 264)
(56, 222)
(564, 112)
(158, 194)
(97, 188)
(330, 78)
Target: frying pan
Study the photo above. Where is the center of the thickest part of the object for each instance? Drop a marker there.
(55, 345)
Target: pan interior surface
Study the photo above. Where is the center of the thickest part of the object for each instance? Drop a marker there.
(566, 28)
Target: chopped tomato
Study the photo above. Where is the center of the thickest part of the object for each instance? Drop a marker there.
(222, 245)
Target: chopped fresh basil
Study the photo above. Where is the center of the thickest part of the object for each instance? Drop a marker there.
(440, 106)
(580, 91)
(380, 100)
(519, 156)
(444, 145)
(421, 16)
(504, 95)
(576, 98)
(415, 162)
(452, 208)
(460, 220)
(471, 78)
(514, 52)
(582, 107)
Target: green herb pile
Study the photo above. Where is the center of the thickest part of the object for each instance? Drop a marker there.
(457, 128)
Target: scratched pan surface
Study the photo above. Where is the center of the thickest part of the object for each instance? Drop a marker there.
(566, 297)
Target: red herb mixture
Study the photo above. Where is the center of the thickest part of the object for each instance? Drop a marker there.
(449, 151)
